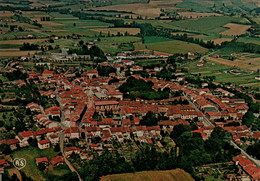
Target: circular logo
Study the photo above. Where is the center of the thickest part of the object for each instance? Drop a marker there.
(19, 163)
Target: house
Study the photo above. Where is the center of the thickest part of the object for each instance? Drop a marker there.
(128, 62)
(56, 161)
(47, 74)
(43, 160)
(2, 162)
(70, 150)
(247, 166)
(11, 142)
(44, 144)
(72, 133)
(54, 139)
(23, 138)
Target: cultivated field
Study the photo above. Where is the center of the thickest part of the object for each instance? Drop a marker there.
(221, 40)
(140, 9)
(16, 53)
(206, 24)
(221, 72)
(197, 15)
(250, 64)
(6, 14)
(169, 175)
(235, 29)
(175, 47)
(20, 42)
(114, 31)
(249, 40)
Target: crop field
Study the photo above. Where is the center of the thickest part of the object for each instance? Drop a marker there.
(221, 40)
(6, 14)
(114, 31)
(151, 10)
(235, 29)
(15, 53)
(20, 42)
(170, 175)
(140, 9)
(206, 24)
(250, 64)
(175, 47)
(197, 15)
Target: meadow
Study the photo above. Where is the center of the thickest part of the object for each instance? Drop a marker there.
(31, 169)
(175, 46)
(207, 24)
(221, 72)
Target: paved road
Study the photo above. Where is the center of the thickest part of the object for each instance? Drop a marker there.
(206, 121)
(90, 104)
(61, 136)
(257, 162)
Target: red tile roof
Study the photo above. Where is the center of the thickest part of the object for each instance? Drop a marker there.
(43, 159)
(42, 142)
(56, 160)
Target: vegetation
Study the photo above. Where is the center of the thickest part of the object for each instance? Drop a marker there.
(134, 88)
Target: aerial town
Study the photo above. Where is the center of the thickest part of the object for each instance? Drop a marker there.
(73, 108)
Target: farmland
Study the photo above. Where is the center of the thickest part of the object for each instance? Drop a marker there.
(115, 31)
(171, 175)
(250, 64)
(207, 24)
(235, 29)
(221, 40)
(221, 72)
(175, 47)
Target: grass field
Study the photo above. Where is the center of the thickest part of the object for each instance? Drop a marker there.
(221, 72)
(206, 24)
(110, 44)
(114, 31)
(31, 169)
(155, 39)
(175, 47)
(169, 175)
(249, 40)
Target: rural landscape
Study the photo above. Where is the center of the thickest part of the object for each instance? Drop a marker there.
(139, 90)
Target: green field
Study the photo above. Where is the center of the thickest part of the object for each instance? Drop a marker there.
(249, 40)
(176, 47)
(220, 71)
(110, 44)
(207, 24)
(155, 39)
(31, 169)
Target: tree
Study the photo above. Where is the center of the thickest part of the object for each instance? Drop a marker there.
(5, 149)
(57, 148)
(254, 150)
(178, 130)
(149, 119)
(41, 166)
